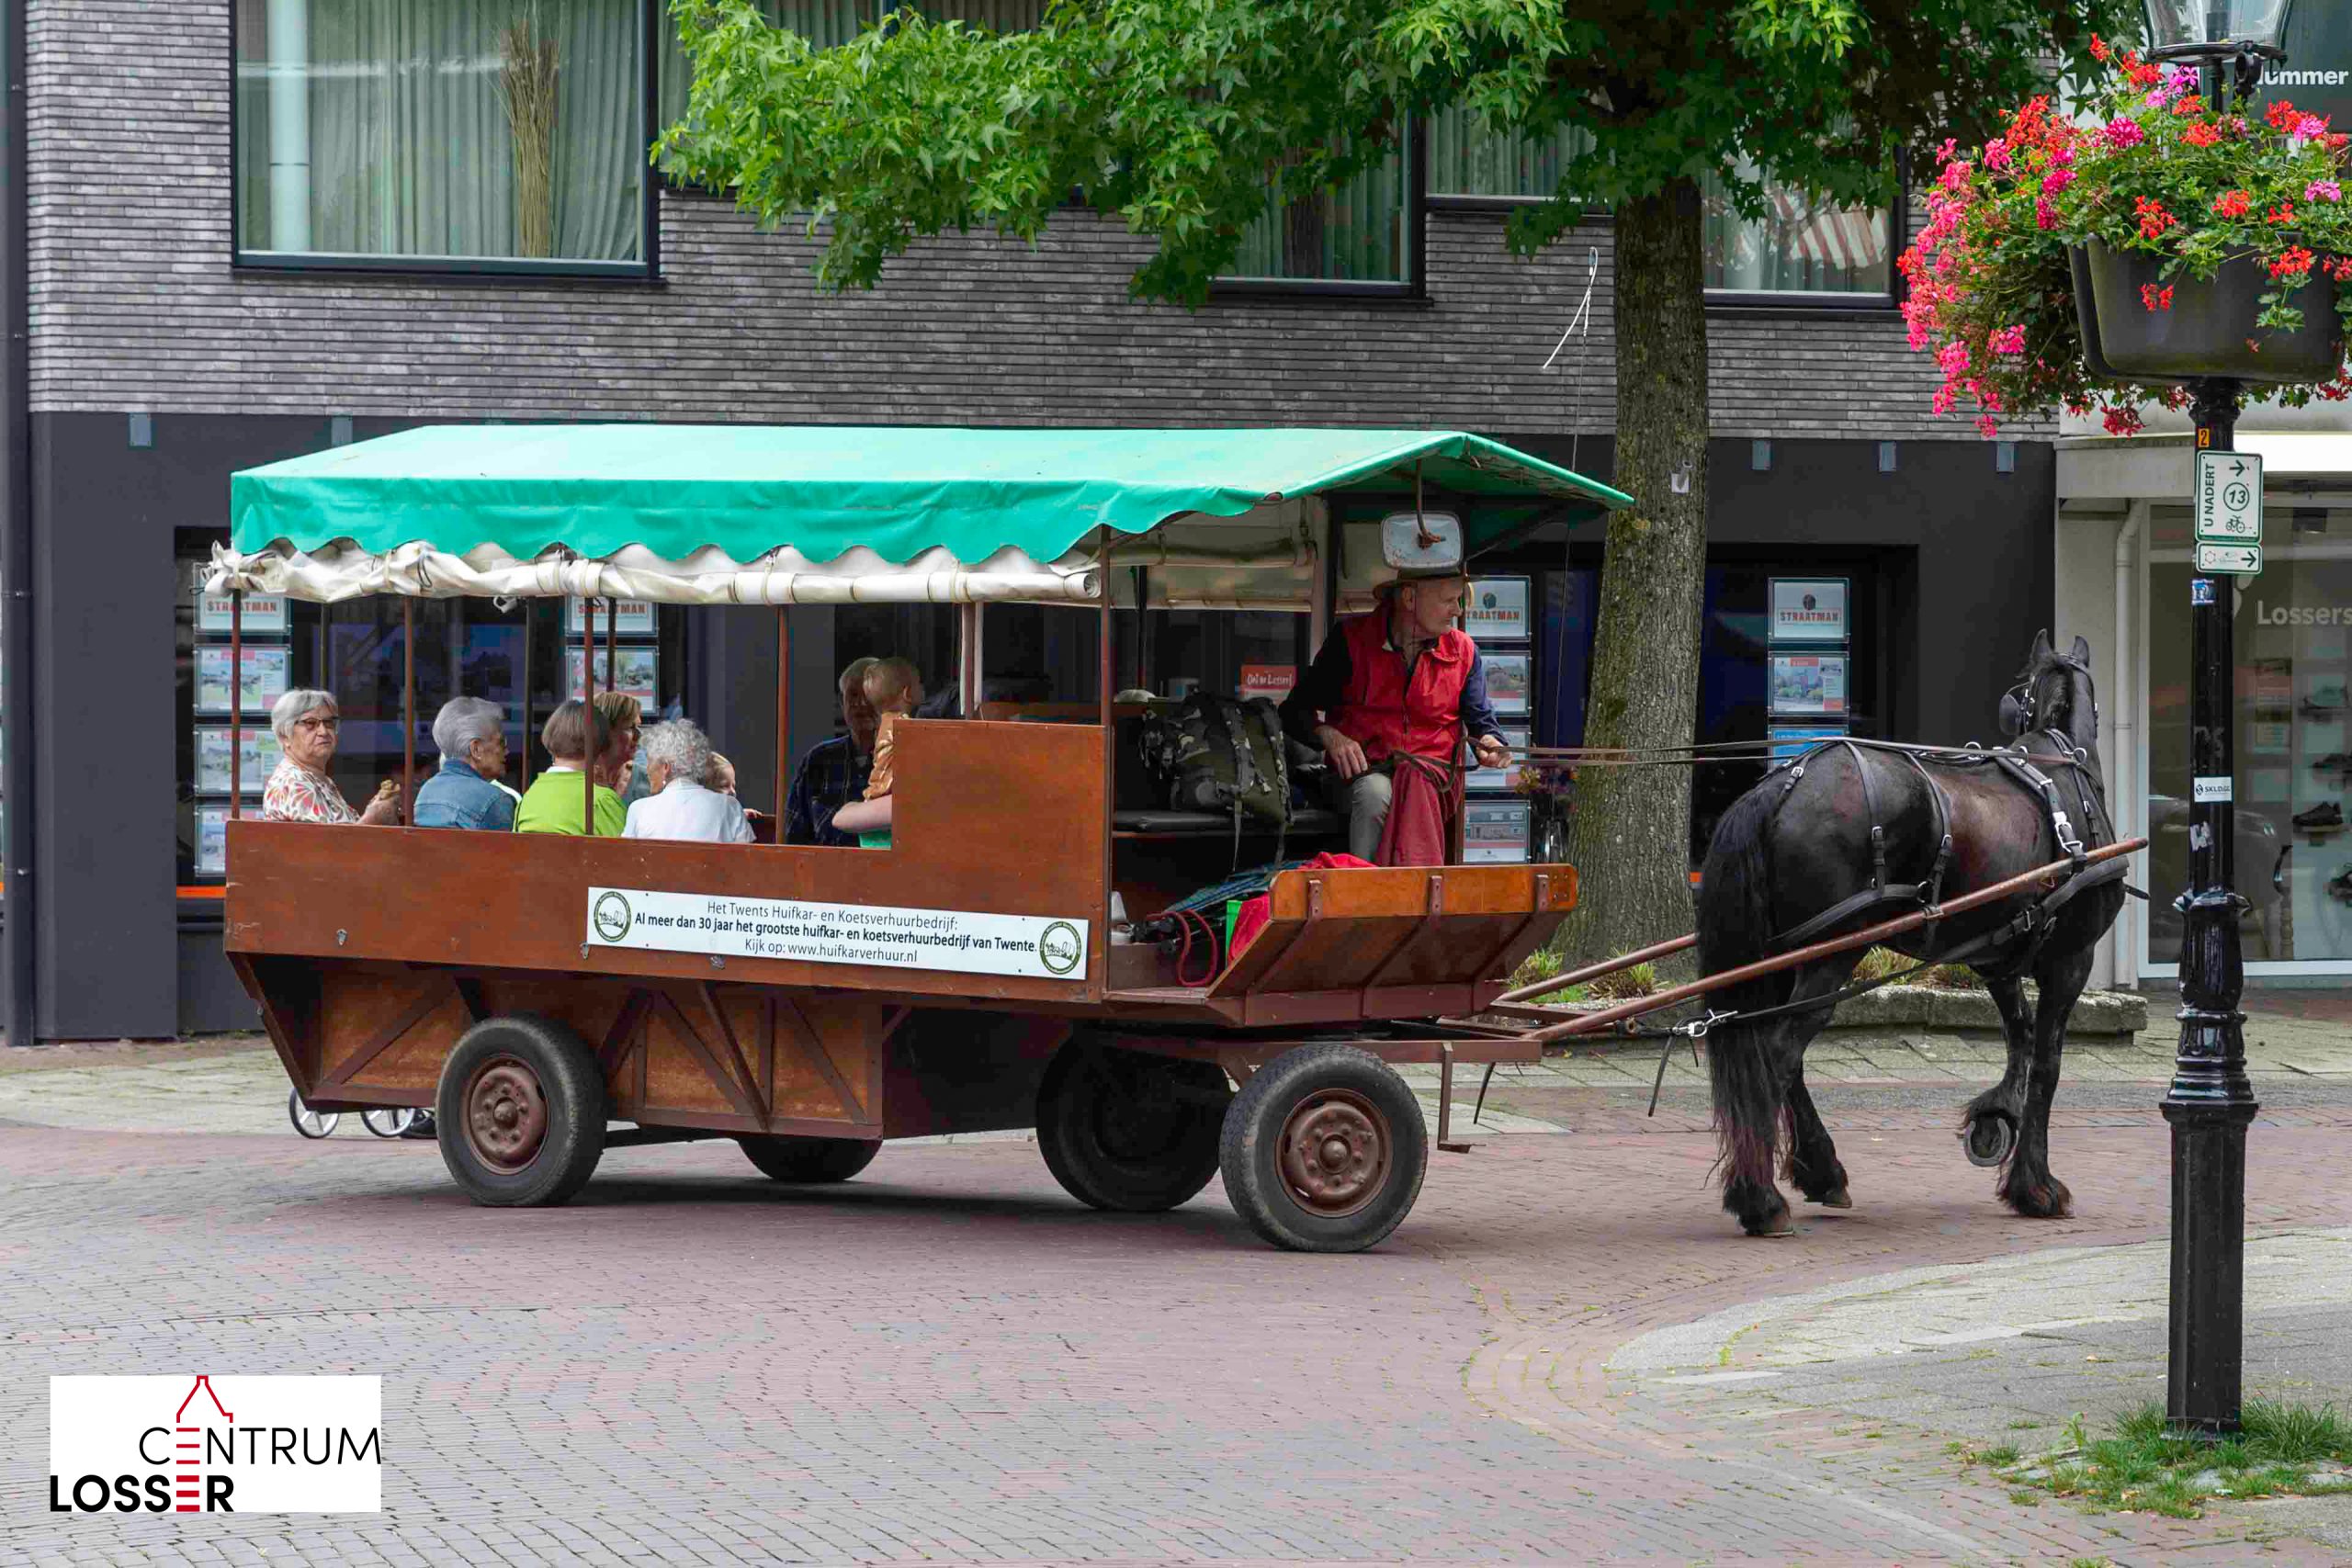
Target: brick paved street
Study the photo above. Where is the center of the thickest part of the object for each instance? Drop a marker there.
(948, 1359)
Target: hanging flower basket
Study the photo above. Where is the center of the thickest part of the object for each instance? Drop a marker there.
(2100, 263)
(2211, 329)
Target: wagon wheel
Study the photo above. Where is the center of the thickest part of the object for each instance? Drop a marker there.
(308, 1122)
(1124, 1131)
(389, 1120)
(808, 1160)
(1324, 1149)
(520, 1112)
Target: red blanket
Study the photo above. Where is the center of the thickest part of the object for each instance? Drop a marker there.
(1256, 912)
(1419, 809)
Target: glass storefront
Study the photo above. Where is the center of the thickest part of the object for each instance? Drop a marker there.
(2293, 656)
(357, 650)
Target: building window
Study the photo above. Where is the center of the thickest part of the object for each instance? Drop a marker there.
(1804, 247)
(825, 23)
(1470, 158)
(442, 134)
(1364, 235)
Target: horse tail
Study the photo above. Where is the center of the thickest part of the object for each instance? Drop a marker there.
(1735, 926)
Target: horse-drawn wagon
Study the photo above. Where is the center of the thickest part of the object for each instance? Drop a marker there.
(553, 996)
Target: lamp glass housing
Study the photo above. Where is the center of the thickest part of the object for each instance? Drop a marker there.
(2186, 24)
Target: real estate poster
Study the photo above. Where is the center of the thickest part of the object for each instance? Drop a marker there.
(1494, 832)
(1507, 682)
(1499, 778)
(1808, 682)
(1809, 609)
(633, 674)
(265, 672)
(1791, 741)
(1497, 610)
(259, 753)
(211, 841)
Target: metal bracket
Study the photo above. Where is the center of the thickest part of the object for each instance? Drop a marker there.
(1445, 1087)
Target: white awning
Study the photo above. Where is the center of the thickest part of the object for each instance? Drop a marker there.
(858, 576)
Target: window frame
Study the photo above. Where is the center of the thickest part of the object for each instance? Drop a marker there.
(1734, 300)
(645, 269)
(1412, 290)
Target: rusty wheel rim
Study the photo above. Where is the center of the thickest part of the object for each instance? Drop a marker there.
(1335, 1152)
(506, 1114)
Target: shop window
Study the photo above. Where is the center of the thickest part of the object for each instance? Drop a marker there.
(1469, 158)
(1802, 246)
(442, 133)
(357, 650)
(1365, 233)
(2291, 646)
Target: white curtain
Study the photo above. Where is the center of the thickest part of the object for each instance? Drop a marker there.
(409, 151)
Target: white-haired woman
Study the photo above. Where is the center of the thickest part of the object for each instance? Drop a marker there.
(472, 736)
(308, 724)
(677, 758)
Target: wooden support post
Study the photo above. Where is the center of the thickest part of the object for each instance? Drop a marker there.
(237, 698)
(408, 709)
(783, 716)
(528, 604)
(588, 718)
(1107, 674)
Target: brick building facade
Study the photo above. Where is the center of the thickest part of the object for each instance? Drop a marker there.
(159, 365)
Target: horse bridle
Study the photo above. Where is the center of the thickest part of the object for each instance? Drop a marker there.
(2019, 715)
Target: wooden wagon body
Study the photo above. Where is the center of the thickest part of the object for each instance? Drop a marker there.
(816, 1002)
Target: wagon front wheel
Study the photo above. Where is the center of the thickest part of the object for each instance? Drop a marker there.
(1128, 1132)
(520, 1112)
(1324, 1149)
(807, 1160)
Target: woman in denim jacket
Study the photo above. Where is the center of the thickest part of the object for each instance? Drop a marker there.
(472, 734)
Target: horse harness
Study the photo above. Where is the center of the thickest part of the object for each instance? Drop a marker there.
(2063, 806)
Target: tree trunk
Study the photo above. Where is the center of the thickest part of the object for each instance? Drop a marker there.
(1630, 834)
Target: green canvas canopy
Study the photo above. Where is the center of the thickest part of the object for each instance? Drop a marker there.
(737, 514)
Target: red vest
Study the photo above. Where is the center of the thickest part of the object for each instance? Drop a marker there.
(1380, 714)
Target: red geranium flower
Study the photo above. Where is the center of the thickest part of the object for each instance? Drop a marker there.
(2293, 262)
(2155, 219)
(2201, 134)
(2233, 203)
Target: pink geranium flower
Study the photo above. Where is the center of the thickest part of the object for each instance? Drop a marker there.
(2123, 132)
(2322, 190)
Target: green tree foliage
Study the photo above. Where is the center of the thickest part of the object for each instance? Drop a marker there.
(1181, 116)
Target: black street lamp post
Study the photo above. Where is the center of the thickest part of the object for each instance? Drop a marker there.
(2212, 1102)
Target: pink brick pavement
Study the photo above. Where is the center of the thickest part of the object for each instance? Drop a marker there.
(948, 1359)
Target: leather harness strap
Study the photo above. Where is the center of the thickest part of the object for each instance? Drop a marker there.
(2033, 923)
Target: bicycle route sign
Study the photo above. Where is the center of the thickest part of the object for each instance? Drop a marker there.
(2227, 489)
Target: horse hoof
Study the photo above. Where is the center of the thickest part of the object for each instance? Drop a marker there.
(1989, 1140)
(1838, 1199)
(1771, 1227)
(2038, 1203)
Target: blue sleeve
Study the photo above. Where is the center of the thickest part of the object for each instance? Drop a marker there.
(1478, 714)
(798, 827)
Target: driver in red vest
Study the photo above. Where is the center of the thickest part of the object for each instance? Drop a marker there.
(1402, 679)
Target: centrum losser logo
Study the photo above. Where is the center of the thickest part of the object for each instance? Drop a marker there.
(1060, 949)
(202, 1445)
(613, 917)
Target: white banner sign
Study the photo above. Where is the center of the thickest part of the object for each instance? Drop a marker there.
(215, 1445)
(1039, 946)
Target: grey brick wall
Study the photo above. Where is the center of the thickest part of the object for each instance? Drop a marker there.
(135, 308)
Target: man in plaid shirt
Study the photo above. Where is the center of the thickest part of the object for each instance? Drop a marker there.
(834, 771)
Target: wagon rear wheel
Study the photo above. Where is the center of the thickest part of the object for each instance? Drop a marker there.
(520, 1112)
(1324, 1149)
(808, 1160)
(1129, 1131)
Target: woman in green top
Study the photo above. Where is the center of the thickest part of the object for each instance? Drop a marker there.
(554, 803)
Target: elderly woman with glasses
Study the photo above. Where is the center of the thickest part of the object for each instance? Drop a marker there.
(471, 735)
(308, 724)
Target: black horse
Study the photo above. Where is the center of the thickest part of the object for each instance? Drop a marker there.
(1823, 834)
